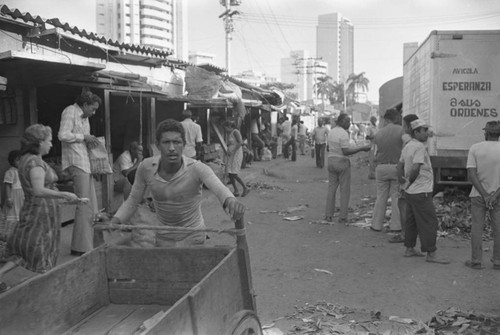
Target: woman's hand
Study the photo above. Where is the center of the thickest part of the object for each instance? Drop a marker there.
(70, 197)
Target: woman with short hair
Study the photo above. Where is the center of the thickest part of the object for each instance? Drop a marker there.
(34, 243)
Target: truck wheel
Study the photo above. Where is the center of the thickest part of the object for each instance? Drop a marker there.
(244, 323)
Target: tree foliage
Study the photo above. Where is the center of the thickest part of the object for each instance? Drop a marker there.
(356, 82)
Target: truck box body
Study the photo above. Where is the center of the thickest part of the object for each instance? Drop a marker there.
(452, 81)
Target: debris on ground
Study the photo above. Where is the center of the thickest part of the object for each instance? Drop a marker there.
(324, 271)
(452, 209)
(327, 318)
(293, 218)
(286, 211)
(455, 321)
(260, 185)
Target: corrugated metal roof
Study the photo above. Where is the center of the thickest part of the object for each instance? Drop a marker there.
(15, 14)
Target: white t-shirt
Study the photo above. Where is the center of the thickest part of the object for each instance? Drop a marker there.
(122, 163)
(338, 138)
(485, 157)
(414, 152)
(193, 135)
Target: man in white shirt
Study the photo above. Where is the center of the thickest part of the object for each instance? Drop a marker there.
(483, 166)
(75, 137)
(339, 168)
(194, 137)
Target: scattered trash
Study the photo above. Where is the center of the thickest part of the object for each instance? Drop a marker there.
(361, 224)
(322, 222)
(296, 209)
(401, 320)
(327, 318)
(260, 185)
(293, 218)
(324, 271)
(271, 331)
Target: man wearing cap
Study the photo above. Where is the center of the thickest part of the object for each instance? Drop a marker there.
(194, 138)
(483, 166)
(389, 143)
(421, 219)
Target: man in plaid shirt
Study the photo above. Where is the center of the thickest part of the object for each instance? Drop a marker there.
(75, 137)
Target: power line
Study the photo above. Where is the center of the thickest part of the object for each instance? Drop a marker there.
(371, 23)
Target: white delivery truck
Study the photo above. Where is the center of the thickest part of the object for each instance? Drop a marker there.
(452, 81)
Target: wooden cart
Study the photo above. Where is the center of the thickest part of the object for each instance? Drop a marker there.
(117, 289)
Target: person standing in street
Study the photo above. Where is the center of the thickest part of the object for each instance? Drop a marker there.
(75, 137)
(319, 135)
(402, 199)
(194, 137)
(389, 144)
(371, 130)
(286, 128)
(302, 135)
(339, 167)
(293, 141)
(257, 142)
(483, 166)
(421, 219)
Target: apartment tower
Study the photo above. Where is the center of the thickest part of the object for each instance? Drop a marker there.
(335, 45)
(302, 70)
(160, 24)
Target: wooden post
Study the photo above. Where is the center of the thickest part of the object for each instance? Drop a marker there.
(107, 180)
(244, 267)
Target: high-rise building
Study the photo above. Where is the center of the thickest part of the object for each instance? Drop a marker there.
(160, 24)
(302, 70)
(335, 45)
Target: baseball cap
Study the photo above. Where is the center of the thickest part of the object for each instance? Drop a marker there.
(418, 123)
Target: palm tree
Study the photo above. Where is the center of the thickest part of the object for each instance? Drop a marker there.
(338, 93)
(355, 82)
(324, 88)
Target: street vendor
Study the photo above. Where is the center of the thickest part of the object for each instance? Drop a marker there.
(175, 182)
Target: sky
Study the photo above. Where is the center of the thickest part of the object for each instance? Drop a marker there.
(266, 31)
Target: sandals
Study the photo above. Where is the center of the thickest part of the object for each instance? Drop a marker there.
(236, 194)
(396, 239)
(245, 192)
(475, 266)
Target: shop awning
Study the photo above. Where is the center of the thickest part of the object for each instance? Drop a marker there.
(23, 69)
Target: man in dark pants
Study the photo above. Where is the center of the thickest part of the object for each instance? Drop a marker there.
(292, 142)
(483, 167)
(319, 135)
(421, 219)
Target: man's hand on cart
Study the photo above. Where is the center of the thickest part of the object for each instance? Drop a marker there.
(234, 208)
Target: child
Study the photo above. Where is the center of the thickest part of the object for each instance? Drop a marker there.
(14, 195)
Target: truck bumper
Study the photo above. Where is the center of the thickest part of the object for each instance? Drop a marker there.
(449, 170)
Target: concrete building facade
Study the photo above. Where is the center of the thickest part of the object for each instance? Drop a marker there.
(335, 45)
(160, 24)
(302, 70)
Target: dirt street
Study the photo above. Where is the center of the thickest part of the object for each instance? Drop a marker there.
(298, 262)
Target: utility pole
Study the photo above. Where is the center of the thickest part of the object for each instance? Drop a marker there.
(227, 17)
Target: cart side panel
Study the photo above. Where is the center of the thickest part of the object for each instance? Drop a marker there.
(158, 275)
(53, 302)
(212, 302)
